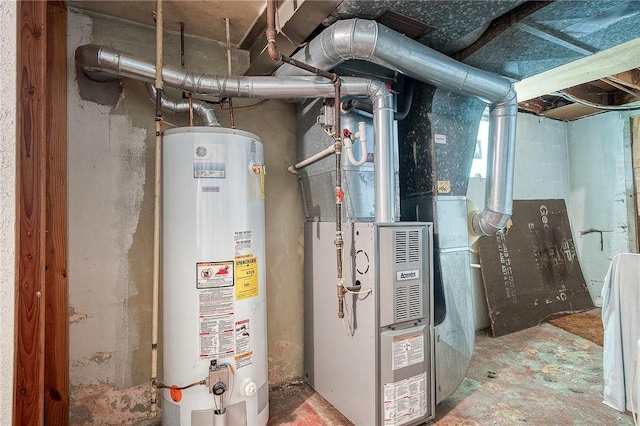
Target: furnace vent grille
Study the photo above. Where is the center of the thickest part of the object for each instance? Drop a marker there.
(401, 247)
(402, 304)
(414, 246)
(415, 301)
(407, 246)
(408, 302)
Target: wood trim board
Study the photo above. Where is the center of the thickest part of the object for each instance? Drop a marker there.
(41, 343)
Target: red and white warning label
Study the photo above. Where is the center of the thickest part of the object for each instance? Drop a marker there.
(407, 350)
(214, 274)
(405, 400)
(243, 335)
(217, 328)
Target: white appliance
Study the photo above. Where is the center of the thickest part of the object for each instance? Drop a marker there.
(214, 291)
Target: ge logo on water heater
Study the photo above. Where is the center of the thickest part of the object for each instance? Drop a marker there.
(201, 151)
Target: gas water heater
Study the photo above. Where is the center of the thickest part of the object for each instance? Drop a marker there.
(214, 292)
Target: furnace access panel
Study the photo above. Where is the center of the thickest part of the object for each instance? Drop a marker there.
(376, 364)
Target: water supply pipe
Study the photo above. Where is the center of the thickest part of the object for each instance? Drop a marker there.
(202, 108)
(276, 55)
(157, 208)
(369, 41)
(361, 134)
(315, 157)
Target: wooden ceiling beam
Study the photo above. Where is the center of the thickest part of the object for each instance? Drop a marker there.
(622, 87)
(629, 78)
(603, 64)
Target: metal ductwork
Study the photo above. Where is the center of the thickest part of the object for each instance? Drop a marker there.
(369, 41)
(203, 109)
(101, 62)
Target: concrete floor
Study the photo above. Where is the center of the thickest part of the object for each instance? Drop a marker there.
(545, 376)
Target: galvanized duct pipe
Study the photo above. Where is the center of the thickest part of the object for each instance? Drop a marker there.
(203, 109)
(103, 62)
(373, 42)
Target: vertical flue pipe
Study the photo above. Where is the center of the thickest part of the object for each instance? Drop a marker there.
(156, 209)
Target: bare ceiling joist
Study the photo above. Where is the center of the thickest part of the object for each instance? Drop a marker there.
(603, 64)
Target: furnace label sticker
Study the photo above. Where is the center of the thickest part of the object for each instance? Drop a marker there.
(440, 139)
(407, 350)
(246, 273)
(405, 400)
(243, 243)
(209, 161)
(214, 274)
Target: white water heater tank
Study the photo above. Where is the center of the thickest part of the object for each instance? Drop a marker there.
(214, 293)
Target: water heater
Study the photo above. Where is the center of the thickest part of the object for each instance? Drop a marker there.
(214, 292)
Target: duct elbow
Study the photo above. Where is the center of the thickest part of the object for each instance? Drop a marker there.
(87, 56)
(377, 90)
(487, 222)
(507, 105)
(206, 114)
(350, 39)
(88, 59)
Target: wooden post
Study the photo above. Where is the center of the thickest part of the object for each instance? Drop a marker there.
(56, 340)
(41, 343)
(31, 131)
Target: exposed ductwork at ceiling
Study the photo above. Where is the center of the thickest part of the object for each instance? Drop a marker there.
(373, 42)
(102, 62)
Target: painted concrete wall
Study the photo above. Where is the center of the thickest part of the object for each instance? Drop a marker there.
(111, 173)
(601, 192)
(541, 171)
(7, 203)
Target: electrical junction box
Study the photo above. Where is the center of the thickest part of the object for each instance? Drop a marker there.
(376, 365)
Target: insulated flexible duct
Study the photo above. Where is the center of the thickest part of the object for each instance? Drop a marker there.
(369, 41)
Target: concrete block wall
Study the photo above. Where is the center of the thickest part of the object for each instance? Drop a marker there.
(586, 162)
(601, 192)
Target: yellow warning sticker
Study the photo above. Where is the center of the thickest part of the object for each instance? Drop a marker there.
(246, 275)
(444, 187)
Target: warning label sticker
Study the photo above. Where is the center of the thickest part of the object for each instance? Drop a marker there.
(405, 400)
(214, 274)
(216, 301)
(209, 161)
(242, 336)
(243, 243)
(246, 273)
(407, 350)
(244, 360)
(217, 327)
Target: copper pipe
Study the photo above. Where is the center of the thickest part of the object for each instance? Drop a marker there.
(276, 55)
(190, 109)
